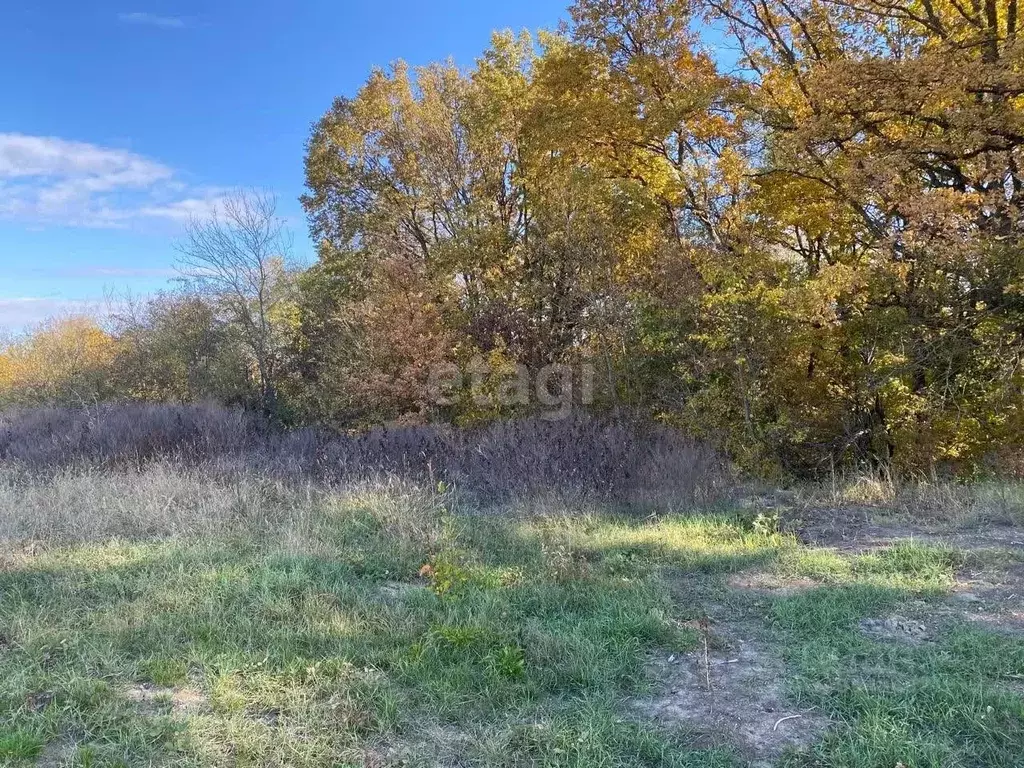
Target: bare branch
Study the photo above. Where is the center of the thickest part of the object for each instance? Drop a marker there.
(238, 259)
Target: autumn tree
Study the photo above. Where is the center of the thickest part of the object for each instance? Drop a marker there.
(66, 361)
(891, 175)
(177, 348)
(437, 174)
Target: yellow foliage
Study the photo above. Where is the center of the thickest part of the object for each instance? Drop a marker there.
(66, 361)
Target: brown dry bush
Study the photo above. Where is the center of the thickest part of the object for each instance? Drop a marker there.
(578, 459)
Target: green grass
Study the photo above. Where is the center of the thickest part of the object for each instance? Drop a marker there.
(938, 704)
(517, 645)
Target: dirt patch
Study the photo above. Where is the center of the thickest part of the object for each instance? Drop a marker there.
(736, 695)
(849, 529)
(57, 753)
(863, 528)
(38, 700)
(773, 584)
(1011, 621)
(446, 746)
(897, 628)
(732, 695)
(992, 595)
(155, 699)
(989, 588)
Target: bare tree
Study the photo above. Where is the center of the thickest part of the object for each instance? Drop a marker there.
(237, 257)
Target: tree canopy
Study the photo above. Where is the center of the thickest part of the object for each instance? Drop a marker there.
(792, 226)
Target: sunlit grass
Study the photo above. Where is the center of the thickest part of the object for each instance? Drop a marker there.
(391, 626)
(305, 659)
(902, 565)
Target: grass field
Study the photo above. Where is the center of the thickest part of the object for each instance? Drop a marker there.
(165, 617)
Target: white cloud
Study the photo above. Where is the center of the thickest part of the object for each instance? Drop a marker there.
(21, 313)
(151, 20)
(49, 180)
(22, 155)
(184, 210)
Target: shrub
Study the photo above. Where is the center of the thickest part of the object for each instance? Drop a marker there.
(576, 459)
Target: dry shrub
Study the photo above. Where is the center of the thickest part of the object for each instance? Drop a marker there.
(938, 499)
(990, 502)
(867, 489)
(581, 458)
(50, 437)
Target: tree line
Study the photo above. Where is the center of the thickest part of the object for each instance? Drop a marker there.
(790, 226)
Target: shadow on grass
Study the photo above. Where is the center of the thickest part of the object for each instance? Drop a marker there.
(514, 649)
(306, 660)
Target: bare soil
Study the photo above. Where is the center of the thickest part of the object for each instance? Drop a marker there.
(730, 695)
(179, 701)
(858, 528)
(990, 586)
(768, 583)
(897, 628)
(57, 753)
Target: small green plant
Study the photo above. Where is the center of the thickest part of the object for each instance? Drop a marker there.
(19, 745)
(445, 574)
(509, 661)
(626, 562)
(766, 523)
(162, 670)
(458, 637)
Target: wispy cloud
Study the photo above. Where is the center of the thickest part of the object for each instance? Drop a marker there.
(49, 180)
(185, 210)
(152, 20)
(23, 155)
(20, 313)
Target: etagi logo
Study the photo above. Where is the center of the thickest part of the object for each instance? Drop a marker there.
(555, 387)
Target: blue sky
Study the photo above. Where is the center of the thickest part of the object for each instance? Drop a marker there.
(120, 119)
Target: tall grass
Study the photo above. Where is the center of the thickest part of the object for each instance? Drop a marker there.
(988, 501)
(573, 460)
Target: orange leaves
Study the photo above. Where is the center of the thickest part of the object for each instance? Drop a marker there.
(66, 360)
